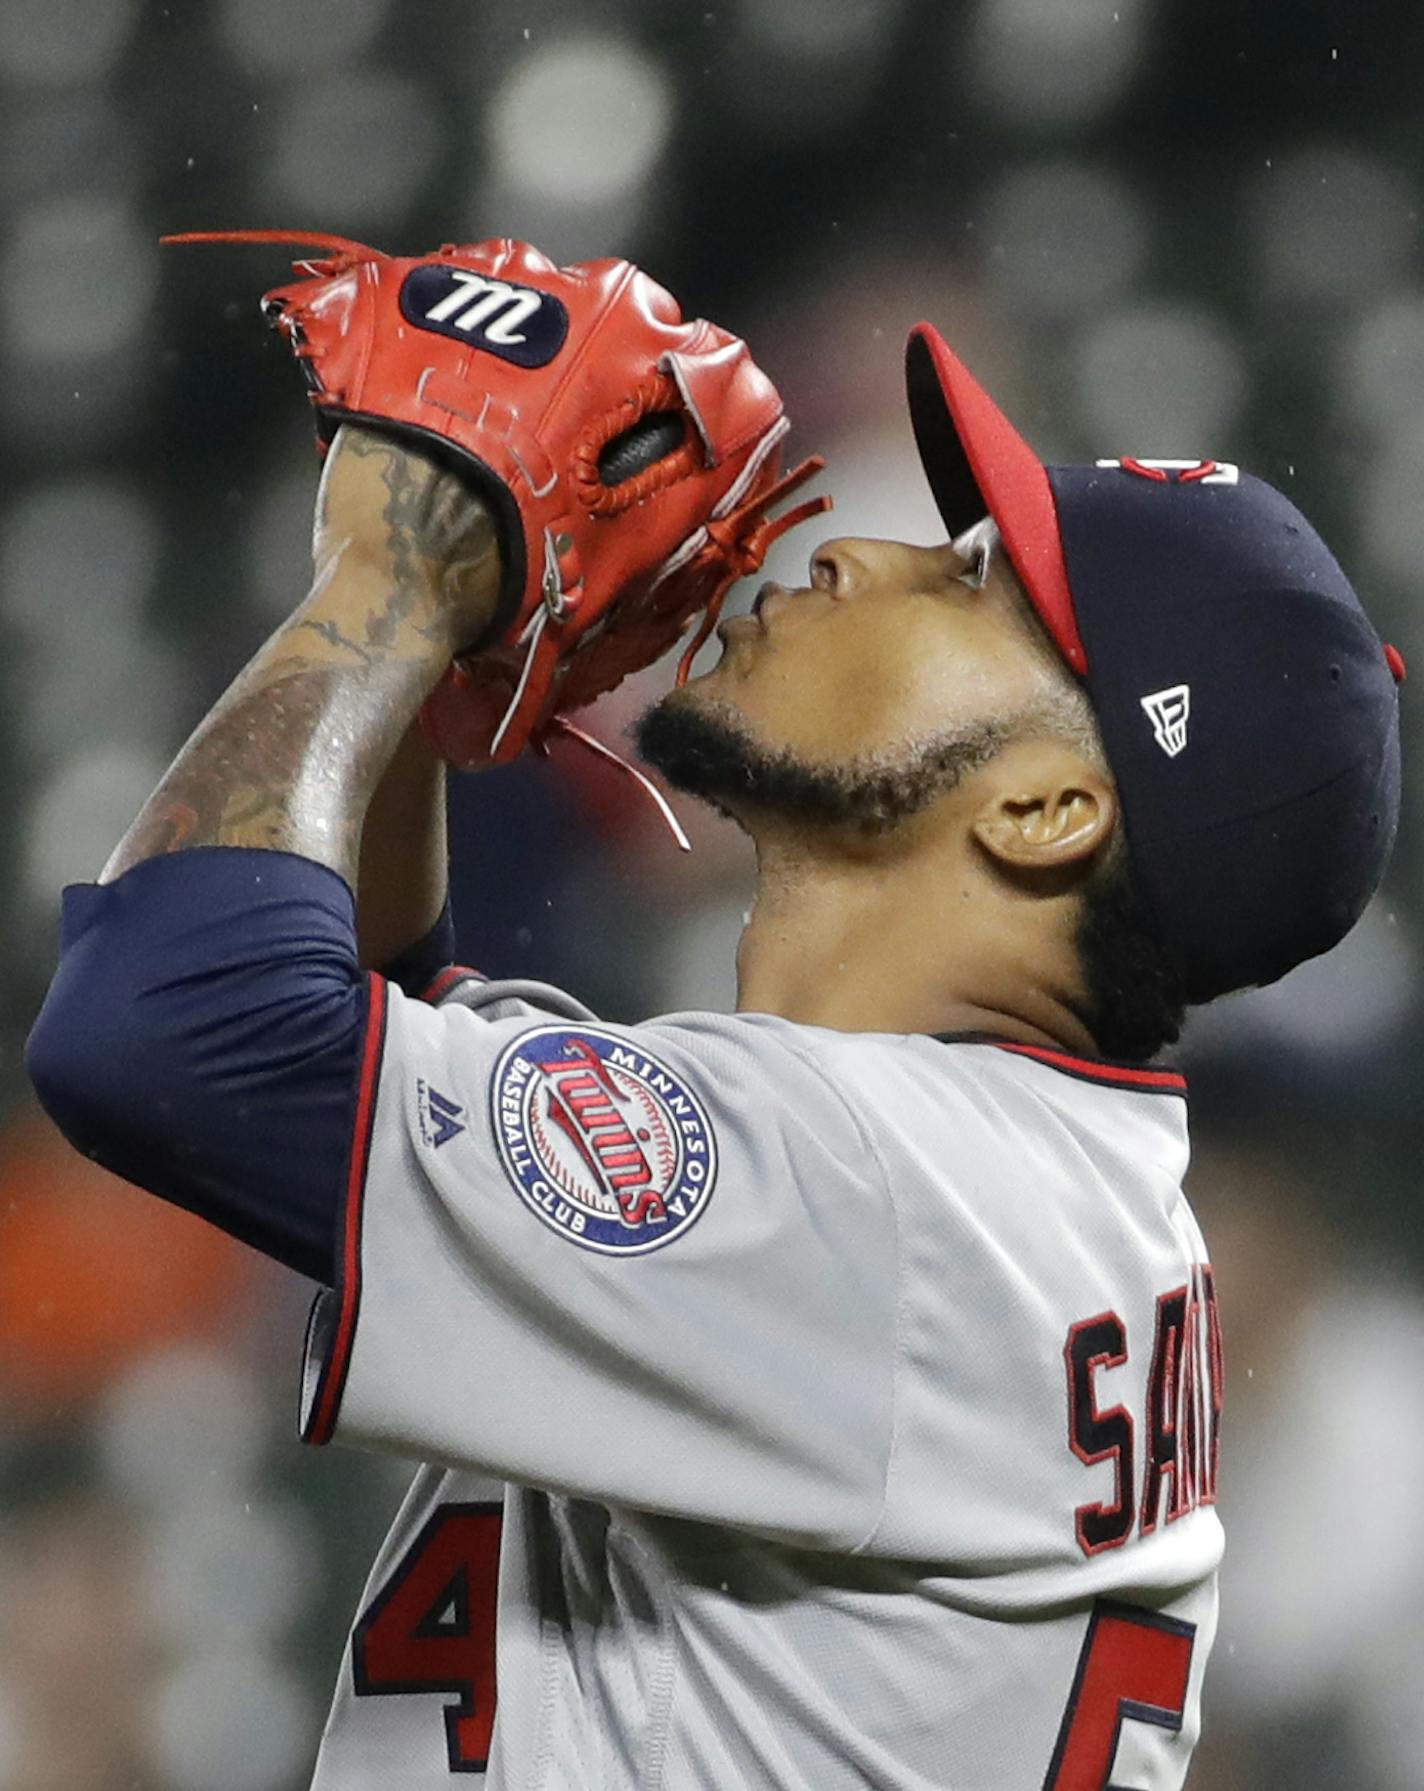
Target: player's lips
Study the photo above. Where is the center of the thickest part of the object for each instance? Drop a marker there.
(739, 627)
(771, 598)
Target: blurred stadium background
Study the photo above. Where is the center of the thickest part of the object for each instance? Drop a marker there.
(1154, 227)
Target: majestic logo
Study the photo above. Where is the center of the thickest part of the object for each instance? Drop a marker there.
(439, 1115)
(604, 1143)
(1178, 472)
(517, 323)
(1168, 710)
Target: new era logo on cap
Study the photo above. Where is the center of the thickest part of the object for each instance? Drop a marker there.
(1177, 472)
(1258, 830)
(1168, 710)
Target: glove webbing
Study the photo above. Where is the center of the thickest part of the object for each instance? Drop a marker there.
(739, 539)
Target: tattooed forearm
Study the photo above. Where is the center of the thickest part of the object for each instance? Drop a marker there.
(432, 524)
(329, 630)
(404, 513)
(286, 762)
(289, 757)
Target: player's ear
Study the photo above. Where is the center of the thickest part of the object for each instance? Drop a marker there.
(1048, 810)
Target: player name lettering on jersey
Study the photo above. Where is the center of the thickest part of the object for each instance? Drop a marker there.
(1181, 1444)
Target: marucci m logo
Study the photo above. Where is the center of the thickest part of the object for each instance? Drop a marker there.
(1168, 710)
(517, 323)
(497, 308)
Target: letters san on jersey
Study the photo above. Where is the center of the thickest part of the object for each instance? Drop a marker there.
(1181, 1443)
(743, 1271)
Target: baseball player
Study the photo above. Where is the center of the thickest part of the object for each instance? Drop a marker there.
(825, 1394)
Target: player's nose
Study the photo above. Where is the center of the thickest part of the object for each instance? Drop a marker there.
(851, 565)
(843, 566)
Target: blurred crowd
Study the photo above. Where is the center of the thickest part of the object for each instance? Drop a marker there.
(1153, 227)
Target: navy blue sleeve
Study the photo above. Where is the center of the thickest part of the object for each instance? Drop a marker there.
(417, 967)
(203, 1038)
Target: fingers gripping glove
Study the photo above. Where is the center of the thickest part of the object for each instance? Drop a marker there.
(630, 456)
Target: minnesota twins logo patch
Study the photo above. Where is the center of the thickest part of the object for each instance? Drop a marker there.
(604, 1143)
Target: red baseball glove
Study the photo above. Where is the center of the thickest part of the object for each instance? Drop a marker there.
(630, 457)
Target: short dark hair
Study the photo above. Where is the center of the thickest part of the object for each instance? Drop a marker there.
(1136, 999)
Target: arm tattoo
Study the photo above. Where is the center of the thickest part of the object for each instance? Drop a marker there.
(272, 766)
(289, 756)
(426, 520)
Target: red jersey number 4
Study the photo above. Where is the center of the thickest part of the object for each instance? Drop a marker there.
(1134, 1666)
(431, 1628)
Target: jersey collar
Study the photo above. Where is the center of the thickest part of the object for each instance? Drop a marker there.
(1146, 1078)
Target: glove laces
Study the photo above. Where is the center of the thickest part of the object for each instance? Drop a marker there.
(740, 542)
(736, 544)
(345, 253)
(559, 725)
(743, 538)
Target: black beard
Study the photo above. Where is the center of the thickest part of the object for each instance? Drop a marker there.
(709, 754)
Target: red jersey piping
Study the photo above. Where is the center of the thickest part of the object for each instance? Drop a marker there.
(445, 980)
(333, 1375)
(1096, 1069)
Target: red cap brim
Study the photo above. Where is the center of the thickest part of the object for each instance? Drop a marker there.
(978, 463)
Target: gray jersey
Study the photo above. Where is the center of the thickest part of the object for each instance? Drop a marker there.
(800, 1409)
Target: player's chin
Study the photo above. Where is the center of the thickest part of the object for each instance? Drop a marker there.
(678, 710)
(696, 738)
(737, 638)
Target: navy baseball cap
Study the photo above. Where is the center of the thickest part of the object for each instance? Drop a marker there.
(1248, 710)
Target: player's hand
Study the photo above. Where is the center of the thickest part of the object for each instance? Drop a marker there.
(630, 456)
(387, 508)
